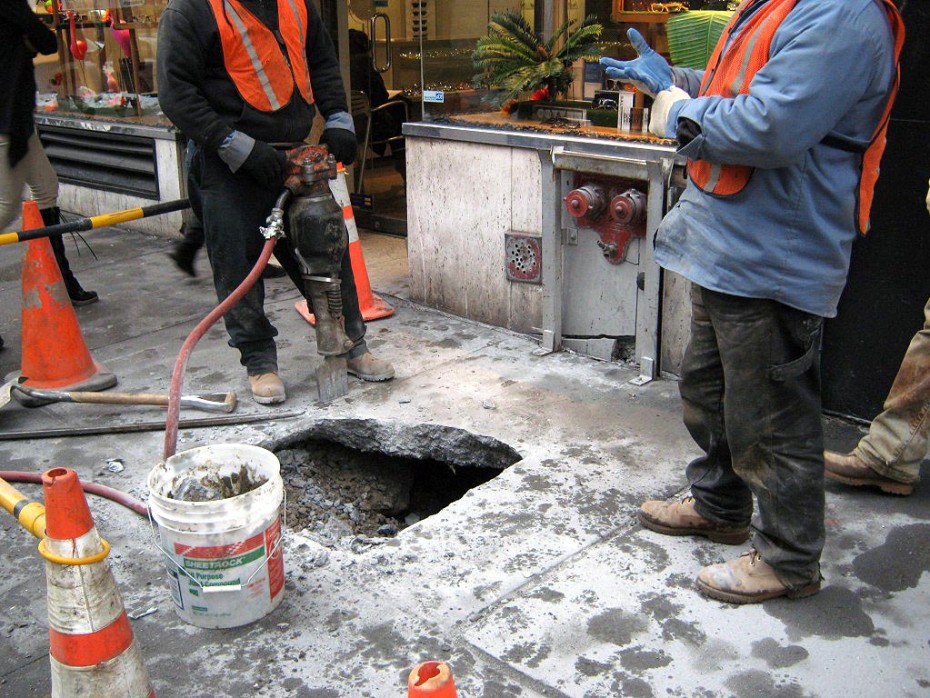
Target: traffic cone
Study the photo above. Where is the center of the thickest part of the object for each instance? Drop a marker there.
(373, 307)
(431, 680)
(54, 354)
(92, 648)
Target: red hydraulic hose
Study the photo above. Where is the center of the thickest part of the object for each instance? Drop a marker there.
(177, 376)
(89, 487)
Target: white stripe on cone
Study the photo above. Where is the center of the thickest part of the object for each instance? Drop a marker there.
(341, 194)
(81, 598)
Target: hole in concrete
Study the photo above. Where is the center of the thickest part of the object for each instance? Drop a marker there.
(350, 478)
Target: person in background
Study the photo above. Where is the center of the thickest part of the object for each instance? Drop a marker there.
(889, 456)
(242, 116)
(781, 153)
(184, 251)
(23, 161)
(387, 123)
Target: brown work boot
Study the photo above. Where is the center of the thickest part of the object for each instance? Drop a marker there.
(747, 579)
(681, 519)
(368, 368)
(850, 470)
(267, 388)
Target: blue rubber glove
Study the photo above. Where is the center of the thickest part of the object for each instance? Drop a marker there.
(650, 72)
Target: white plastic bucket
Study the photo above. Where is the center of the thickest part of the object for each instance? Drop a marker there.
(224, 557)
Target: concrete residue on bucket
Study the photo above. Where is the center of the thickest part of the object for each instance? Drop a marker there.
(217, 510)
(207, 483)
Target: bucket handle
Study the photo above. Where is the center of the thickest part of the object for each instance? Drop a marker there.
(218, 588)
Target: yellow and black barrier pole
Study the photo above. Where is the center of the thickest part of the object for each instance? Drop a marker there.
(101, 221)
(31, 515)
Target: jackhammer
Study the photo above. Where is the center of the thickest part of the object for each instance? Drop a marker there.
(317, 234)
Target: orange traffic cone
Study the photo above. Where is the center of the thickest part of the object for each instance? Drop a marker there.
(373, 307)
(92, 648)
(431, 680)
(54, 356)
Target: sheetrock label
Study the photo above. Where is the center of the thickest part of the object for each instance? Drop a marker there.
(205, 570)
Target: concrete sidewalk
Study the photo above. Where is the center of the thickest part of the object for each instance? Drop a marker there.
(537, 583)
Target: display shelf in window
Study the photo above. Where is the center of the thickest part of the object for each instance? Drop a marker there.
(106, 58)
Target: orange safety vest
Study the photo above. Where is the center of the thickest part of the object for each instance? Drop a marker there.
(264, 76)
(732, 75)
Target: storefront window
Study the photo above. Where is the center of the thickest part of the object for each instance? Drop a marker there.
(105, 66)
(454, 88)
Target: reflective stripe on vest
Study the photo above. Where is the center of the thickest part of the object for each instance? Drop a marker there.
(264, 76)
(732, 75)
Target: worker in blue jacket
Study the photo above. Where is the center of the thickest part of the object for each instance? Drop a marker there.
(777, 131)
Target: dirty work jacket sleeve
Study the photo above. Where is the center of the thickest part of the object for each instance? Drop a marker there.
(325, 78)
(182, 66)
(829, 71)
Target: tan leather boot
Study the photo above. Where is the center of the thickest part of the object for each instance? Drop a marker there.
(681, 519)
(850, 470)
(369, 368)
(747, 579)
(267, 389)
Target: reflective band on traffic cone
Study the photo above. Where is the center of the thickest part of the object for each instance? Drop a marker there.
(372, 307)
(92, 648)
(431, 680)
(54, 354)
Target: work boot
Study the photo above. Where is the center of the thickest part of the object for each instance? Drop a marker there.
(267, 389)
(850, 470)
(183, 253)
(370, 369)
(681, 519)
(78, 296)
(748, 579)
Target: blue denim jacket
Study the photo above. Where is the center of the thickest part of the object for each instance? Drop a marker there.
(787, 235)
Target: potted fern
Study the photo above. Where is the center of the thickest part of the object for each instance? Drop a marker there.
(516, 61)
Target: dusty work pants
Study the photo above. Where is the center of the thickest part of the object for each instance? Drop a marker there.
(750, 387)
(232, 208)
(897, 441)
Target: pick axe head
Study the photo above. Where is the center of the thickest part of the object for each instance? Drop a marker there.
(6, 390)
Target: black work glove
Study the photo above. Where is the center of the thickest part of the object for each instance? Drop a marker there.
(266, 166)
(342, 144)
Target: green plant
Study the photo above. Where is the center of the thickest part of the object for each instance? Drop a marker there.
(692, 36)
(514, 59)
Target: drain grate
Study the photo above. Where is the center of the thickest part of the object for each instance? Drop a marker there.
(524, 258)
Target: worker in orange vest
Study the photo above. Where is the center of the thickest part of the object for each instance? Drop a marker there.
(783, 132)
(243, 80)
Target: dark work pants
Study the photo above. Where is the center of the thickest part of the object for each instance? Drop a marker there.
(232, 208)
(750, 387)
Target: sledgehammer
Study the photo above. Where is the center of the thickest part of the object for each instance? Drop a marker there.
(36, 397)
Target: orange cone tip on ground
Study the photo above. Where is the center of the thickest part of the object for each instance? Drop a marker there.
(431, 680)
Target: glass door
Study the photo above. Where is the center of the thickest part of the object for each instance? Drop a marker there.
(384, 73)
